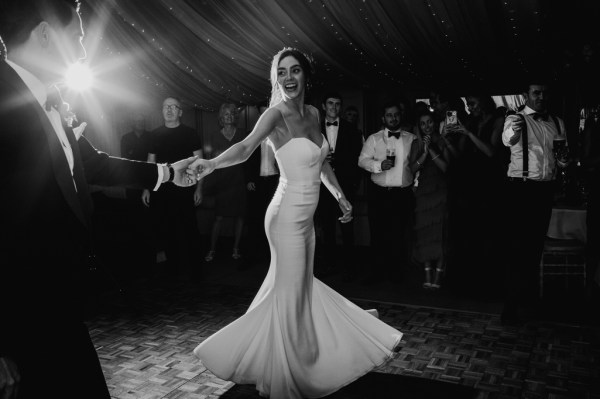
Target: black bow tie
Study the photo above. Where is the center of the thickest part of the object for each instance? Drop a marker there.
(540, 116)
(394, 134)
(53, 98)
(331, 123)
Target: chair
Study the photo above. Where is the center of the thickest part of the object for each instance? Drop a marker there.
(564, 258)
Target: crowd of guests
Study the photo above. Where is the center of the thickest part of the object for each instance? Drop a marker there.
(442, 182)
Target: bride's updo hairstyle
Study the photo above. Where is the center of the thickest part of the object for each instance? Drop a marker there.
(306, 63)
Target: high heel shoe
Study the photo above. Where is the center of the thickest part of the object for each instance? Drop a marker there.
(209, 256)
(427, 284)
(438, 272)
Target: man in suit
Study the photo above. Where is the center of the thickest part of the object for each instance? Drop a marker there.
(345, 142)
(46, 207)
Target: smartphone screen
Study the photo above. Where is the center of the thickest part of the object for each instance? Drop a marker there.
(451, 118)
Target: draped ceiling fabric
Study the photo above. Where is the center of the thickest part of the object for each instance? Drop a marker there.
(210, 51)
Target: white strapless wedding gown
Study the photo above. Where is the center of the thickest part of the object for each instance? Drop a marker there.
(299, 338)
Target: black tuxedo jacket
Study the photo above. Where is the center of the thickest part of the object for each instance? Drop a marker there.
(45, 234)
(345, 160)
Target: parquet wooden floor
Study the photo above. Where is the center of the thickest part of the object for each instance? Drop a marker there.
(145, 341)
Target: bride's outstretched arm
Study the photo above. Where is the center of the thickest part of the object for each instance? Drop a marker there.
(328, 178)
(238, 152)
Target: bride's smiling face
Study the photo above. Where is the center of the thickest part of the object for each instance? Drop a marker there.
(290, 78)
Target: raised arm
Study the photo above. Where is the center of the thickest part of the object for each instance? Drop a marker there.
(241, 151)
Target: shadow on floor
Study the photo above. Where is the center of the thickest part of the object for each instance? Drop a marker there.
(378, 385)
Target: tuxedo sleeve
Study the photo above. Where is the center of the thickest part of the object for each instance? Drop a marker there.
(104, 170)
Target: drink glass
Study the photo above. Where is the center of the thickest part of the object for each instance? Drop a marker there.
(390, 154)
(559, 148)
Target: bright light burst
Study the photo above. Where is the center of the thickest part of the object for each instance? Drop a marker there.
(79, 77)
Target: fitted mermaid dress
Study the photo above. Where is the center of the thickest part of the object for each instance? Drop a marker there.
(299, 338)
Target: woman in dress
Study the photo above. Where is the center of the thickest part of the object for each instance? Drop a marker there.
(299, 338)
(229, 183)
(430, 159)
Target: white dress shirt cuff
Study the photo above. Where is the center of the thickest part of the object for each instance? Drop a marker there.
(377, 167)
(160, 175)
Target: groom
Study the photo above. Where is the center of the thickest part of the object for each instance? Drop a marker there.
(46, 207)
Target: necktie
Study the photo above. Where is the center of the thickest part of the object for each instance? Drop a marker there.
(331, 123)
(53, 98)
(394, 134)
(540, 116)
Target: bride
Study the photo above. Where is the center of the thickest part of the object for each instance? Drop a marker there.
(299, 338)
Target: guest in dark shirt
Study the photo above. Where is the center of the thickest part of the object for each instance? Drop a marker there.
(136, 145)
(173, 209)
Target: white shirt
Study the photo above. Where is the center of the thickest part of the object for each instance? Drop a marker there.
(540, 143)
(40, 92)
(332, 133)
(374, 152)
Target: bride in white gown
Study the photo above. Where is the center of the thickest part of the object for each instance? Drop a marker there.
(299, 338)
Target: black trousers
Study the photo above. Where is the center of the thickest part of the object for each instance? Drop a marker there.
(174, 215)
(529, 208)
(390, 215)
(327, 214)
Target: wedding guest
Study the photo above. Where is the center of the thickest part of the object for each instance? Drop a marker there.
(345, 142)
(530, 193)
(477, 208)
(429, 159)
(351, 115)
(136, 145)
(385, 154)
(229, 184)
(173, 210)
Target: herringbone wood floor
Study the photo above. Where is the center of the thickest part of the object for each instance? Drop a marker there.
(145, 340)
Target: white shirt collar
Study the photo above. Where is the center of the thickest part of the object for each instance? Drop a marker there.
(528, 111)
(37, 88)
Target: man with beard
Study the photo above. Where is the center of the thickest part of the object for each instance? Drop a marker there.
(529, 193)
(390, 198)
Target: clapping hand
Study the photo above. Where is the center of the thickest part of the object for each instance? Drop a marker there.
(346, 208)
(426, 141)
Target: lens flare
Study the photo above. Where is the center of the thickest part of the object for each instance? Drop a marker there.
(79, 77)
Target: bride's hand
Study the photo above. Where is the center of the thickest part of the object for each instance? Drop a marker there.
(346, 208)
(200, 168)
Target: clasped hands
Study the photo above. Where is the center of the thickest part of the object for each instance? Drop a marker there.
(182, 178)
(199, 168)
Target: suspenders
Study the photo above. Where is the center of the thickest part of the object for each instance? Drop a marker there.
(525, 141)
